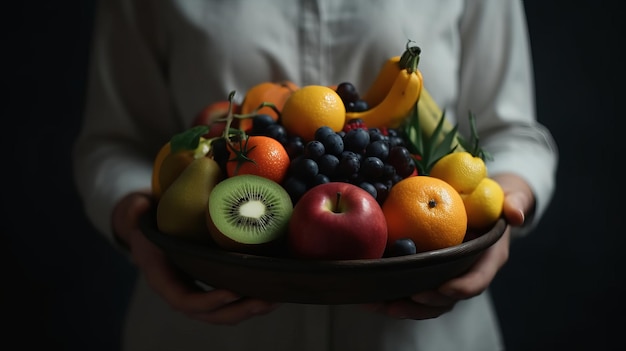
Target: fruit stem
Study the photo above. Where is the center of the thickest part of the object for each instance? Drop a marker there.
(229, 115)
(410, 58)
(336, 208)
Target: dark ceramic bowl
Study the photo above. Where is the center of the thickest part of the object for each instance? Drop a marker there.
(320, 282)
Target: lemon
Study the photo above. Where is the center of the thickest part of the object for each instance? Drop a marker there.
(484, 205)
(310, 108)
(460, 169)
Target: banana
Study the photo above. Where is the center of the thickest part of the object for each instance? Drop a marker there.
(394, 93)
(397, 99)
(383, 81)
(429, 115)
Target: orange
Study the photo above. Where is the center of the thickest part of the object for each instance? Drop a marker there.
(156, 169)
(428, 211)
(272, 92)
(258, 155)
(484, 205)
(460, 169)
(311, 107)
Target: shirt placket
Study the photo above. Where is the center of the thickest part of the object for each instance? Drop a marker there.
(310, 42)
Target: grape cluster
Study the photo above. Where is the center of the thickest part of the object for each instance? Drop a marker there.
(372, 159)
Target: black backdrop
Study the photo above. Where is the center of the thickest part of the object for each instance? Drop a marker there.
(64, 288)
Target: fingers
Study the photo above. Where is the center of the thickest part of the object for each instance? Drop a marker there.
(481, 274)
(213, 306)
(431, 304)
(519, 200)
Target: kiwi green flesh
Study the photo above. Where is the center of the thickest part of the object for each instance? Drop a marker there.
(248, 210)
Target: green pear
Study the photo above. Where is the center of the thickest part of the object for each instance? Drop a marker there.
(172, 166)
(181, 209)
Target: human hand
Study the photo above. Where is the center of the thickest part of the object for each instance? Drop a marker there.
(217, 306)
(518, 203)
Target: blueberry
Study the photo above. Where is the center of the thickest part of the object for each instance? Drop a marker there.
(401, 247)
(356, 140)
(314, 149)
(333, 143)
(261, 122)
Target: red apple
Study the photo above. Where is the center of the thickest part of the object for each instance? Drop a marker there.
(211, 113)
(337, 221)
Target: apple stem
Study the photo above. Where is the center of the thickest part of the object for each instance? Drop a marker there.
(337, 203)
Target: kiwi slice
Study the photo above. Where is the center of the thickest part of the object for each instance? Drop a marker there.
(248, 213)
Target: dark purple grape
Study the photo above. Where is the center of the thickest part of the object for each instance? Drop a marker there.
(400, 158)
(395, 141)
(333, 144)
(401, 247)
(327, 164)
(314, 149)
(389, 172)
(356, 140)
(378, 149)
(372, 168)
(382, 190)
(347, 92)
(369, 187)
(357, 106)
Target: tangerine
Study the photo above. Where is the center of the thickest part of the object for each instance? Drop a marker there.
(460, 169)
(266, 92)
(259, 155)
(312, 107)
(426, 210)
(484, 205)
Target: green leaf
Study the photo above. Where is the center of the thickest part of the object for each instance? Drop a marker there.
(189, 139)
(426, 150)
(473, 145)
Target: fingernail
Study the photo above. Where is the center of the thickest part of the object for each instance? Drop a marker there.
(230, 299)
(448, 292)
(421, 299)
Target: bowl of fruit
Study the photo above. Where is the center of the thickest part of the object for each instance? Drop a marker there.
(285, 279)
(319, 195)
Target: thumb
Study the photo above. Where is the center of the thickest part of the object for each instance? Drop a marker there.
(513, 209)
(519, 200)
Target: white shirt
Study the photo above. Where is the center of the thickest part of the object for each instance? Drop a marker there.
(156, 64)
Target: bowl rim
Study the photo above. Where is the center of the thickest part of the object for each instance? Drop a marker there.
(170, 243)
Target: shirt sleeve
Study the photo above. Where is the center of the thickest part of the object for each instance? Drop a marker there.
(497, 85)
(127, 112)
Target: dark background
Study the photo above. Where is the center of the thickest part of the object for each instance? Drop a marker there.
(65, 288)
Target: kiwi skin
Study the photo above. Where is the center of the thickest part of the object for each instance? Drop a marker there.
(274, 248)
